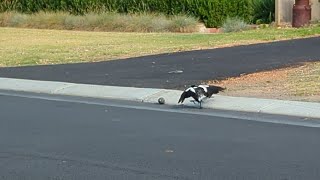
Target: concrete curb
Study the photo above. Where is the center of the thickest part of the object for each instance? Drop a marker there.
(150, 95)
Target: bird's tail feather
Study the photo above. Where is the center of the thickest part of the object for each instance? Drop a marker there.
(214, 90)
(221, 88)
(217, 89)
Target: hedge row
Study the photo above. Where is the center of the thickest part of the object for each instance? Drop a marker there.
(211, 12)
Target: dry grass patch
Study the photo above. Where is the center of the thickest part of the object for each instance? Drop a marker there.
(294, 83)
(100, 22)
(305, 80)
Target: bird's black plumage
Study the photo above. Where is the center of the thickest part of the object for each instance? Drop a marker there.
(199, 92)
(188, 93)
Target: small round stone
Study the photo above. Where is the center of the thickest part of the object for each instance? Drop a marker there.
(161, 100)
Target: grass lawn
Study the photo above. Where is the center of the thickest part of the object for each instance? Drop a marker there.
(21, 47)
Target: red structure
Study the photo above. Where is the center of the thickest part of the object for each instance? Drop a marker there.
(301, 13)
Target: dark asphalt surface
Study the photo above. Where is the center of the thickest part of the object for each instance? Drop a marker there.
(42, 139)
(197, 66)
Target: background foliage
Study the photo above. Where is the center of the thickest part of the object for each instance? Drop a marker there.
(212, 12)
(264, 11)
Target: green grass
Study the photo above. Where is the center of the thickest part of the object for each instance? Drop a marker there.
(21, 47)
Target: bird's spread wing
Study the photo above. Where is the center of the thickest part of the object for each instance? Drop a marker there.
(190, 92)
(195, 97)
(182, 97)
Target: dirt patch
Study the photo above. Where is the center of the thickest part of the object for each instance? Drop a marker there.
(300, 83)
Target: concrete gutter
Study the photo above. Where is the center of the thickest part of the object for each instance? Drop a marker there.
(150, 95)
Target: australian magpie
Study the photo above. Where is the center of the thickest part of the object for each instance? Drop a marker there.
(198, 93)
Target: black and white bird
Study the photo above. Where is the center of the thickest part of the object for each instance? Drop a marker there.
(199, 93)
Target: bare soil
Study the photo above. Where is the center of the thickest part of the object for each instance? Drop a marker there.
(301, 83)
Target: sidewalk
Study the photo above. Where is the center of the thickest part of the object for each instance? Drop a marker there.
(151, 95)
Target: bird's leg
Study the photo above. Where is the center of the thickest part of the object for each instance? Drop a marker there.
(200, 104)
(194, 102)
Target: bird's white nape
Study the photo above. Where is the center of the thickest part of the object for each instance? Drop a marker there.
(190, 89)
(204, 87)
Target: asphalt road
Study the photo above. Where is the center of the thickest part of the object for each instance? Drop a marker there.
(103, 139)
(164, 71)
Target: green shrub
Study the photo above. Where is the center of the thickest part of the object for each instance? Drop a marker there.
(234, 24)
(264, 11)
(211, 12)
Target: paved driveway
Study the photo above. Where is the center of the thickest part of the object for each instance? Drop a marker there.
(177, 69)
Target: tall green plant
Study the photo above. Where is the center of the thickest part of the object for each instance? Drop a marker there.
(264, 11)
